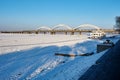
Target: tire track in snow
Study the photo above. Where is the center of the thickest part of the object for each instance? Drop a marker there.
(36, 61)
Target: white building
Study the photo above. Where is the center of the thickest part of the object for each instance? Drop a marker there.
(97, 34)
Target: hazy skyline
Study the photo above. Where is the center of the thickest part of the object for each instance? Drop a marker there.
(31, 14)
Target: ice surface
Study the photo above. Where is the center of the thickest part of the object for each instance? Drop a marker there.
(31, 56)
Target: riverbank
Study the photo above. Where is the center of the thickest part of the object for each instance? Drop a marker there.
(107, 67)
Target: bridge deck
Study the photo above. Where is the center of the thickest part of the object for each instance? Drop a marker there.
(50, 31)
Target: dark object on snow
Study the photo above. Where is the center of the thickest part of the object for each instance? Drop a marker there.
(105, 45)
(73, 55)
(108, 42)
(67, 55)
(87, 54)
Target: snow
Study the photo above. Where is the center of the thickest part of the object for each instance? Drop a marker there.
(31, 56)
(17, 42)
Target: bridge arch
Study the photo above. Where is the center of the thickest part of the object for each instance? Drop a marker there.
(61, 27)
(87, 26)
(44, 28)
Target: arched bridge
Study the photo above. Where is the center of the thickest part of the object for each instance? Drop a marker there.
(63, 28)
(87, 26)
(67, 29)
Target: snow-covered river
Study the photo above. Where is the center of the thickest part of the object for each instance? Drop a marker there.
(31, 56)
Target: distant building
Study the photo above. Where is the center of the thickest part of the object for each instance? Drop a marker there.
(98, 34)
(117, 25)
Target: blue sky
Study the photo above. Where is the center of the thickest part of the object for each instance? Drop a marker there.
(31, 14)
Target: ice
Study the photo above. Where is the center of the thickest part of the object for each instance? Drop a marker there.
(32, 56)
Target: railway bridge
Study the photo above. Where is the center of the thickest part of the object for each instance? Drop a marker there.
(64, 29)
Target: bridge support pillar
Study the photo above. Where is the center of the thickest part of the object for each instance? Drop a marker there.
(80, 33)
(44, 32)
(52, 33)
(72, 33)
(36, 32)
(65, 33)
